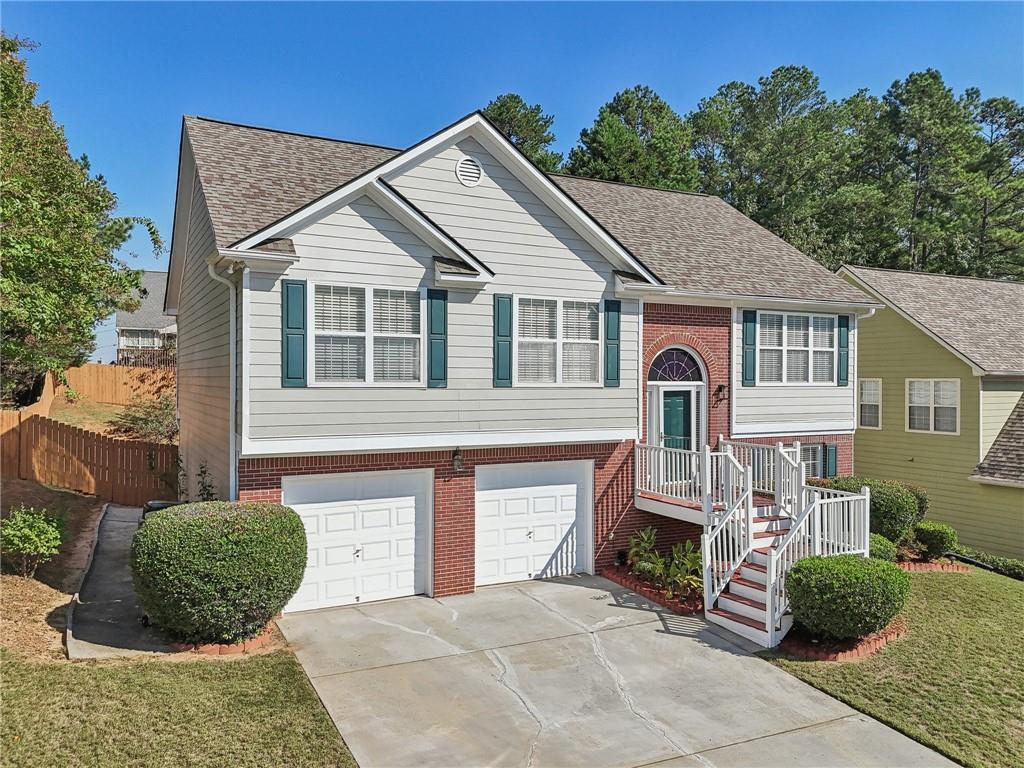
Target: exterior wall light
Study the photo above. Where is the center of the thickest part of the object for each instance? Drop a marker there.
(457, 460)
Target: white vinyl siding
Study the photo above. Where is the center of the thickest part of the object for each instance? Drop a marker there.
(933, 405)
(557, 342)
(869, 404)
(777, 408)
(532, 252)
(796, 348)
(350, 341)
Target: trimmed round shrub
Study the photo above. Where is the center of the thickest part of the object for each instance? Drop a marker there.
(847, 596)
(935, 538)
(882, 549)
(894, 508)
(217, 572)
(921, 495)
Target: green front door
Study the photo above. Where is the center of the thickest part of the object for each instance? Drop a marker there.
(675, 421)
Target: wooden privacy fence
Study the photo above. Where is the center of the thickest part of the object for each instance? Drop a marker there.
(119, 384)
(123, 471)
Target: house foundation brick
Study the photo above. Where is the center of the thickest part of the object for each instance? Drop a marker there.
(615, 516)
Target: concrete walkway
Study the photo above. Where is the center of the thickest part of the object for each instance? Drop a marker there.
(107, 621)
(572, 672)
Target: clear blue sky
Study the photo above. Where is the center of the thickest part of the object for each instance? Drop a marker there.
(119, 76)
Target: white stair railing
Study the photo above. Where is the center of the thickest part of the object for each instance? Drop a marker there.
(763, 460)
(670, 472)
(728, 543)
(830, 523)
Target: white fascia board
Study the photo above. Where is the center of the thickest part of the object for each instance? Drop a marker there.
(314, 446)
(422, 227)
(449, 279)
(996, 481)
(669, 295)
(181, 224)
(258, 260)
(975, 369)
(474, 125)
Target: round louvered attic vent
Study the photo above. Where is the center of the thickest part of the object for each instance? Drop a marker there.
(469, 171)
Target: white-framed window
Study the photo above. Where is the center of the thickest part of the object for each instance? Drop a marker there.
(933, 405)
(558, 341)
(366, 336)
(811, 456)
(133, 338)
(794, 348)
(869, 403)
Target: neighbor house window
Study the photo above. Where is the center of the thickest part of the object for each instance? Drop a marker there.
(933, 405)
(134, 339)
(363, 334)
(869, 403)
(557, 341)
(796, 348)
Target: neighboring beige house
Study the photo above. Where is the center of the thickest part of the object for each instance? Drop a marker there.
(941, 375)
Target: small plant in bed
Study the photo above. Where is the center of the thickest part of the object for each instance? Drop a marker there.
(29, 537)
(882, 549)
(846, 597)
(935, 538)
(217, 572)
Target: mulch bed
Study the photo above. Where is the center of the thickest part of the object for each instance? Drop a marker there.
(621, 576)
(800, 645)
(935, 565)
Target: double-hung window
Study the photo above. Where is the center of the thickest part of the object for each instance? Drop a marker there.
(796, 348)
(933, 405)
(364, 335)
(136, 339)
(810, 455)
(558, 341)
(869, 403)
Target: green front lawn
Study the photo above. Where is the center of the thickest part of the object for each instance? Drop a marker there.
(956, 681)
(256, 711)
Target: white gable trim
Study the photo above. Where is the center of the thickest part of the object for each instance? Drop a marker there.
(975, 368)
(478, 127)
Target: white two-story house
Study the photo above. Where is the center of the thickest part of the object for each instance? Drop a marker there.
(462, 371)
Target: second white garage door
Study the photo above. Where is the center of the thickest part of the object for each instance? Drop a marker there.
(533, 521)
(368, 535)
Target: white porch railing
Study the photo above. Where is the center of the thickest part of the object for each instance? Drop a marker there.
(830, 523)
(763, 461)
(729, 541)
(712, 479)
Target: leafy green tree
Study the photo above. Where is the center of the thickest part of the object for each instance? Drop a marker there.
(527, 127)
(58, 238)
(637, 138)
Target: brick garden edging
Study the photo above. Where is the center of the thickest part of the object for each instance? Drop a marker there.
(228, 649)
(925, 566)
(801, 647)
(624, 578)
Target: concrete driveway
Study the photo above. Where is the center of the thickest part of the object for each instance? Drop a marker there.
(565, 673)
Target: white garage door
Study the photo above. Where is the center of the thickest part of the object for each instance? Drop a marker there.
(368, 535)
(533, 521)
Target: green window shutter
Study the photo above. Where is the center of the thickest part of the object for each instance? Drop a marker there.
(843, 371)
(437, 337)
(612, 341)
(502, 340)
(293, 333)
(749, 347)
(830, 454)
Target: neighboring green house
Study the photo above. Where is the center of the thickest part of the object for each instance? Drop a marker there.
(939, 398)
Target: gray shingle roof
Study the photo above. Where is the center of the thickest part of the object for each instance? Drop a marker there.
(1005, 459)
(150, 314)
(253, 176)
(980, 319)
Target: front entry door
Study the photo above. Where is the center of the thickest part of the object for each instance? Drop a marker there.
(677, 429)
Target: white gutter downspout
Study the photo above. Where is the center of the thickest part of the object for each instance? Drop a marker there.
(232, 395)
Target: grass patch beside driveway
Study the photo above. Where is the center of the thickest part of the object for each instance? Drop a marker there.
(256, 711)
(956, 681)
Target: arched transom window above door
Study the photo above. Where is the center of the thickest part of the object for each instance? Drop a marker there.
(675, 365)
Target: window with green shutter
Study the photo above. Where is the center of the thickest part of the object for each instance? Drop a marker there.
(437, 338)
(293, 333)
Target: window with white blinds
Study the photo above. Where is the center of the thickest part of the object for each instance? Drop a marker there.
(933, 405)
(136, 339)
(810, 455)
(357, 343)
(557, 341)
(869, 403)
(796, 348)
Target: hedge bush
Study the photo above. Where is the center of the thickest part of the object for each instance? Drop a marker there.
(894, 507)
(846, 596)
(1006, 566)
(29, 537)
(921, 495)
(935, 538)
(217, 572)
(882, 549)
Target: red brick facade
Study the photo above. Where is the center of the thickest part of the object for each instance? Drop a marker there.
(615, 517)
